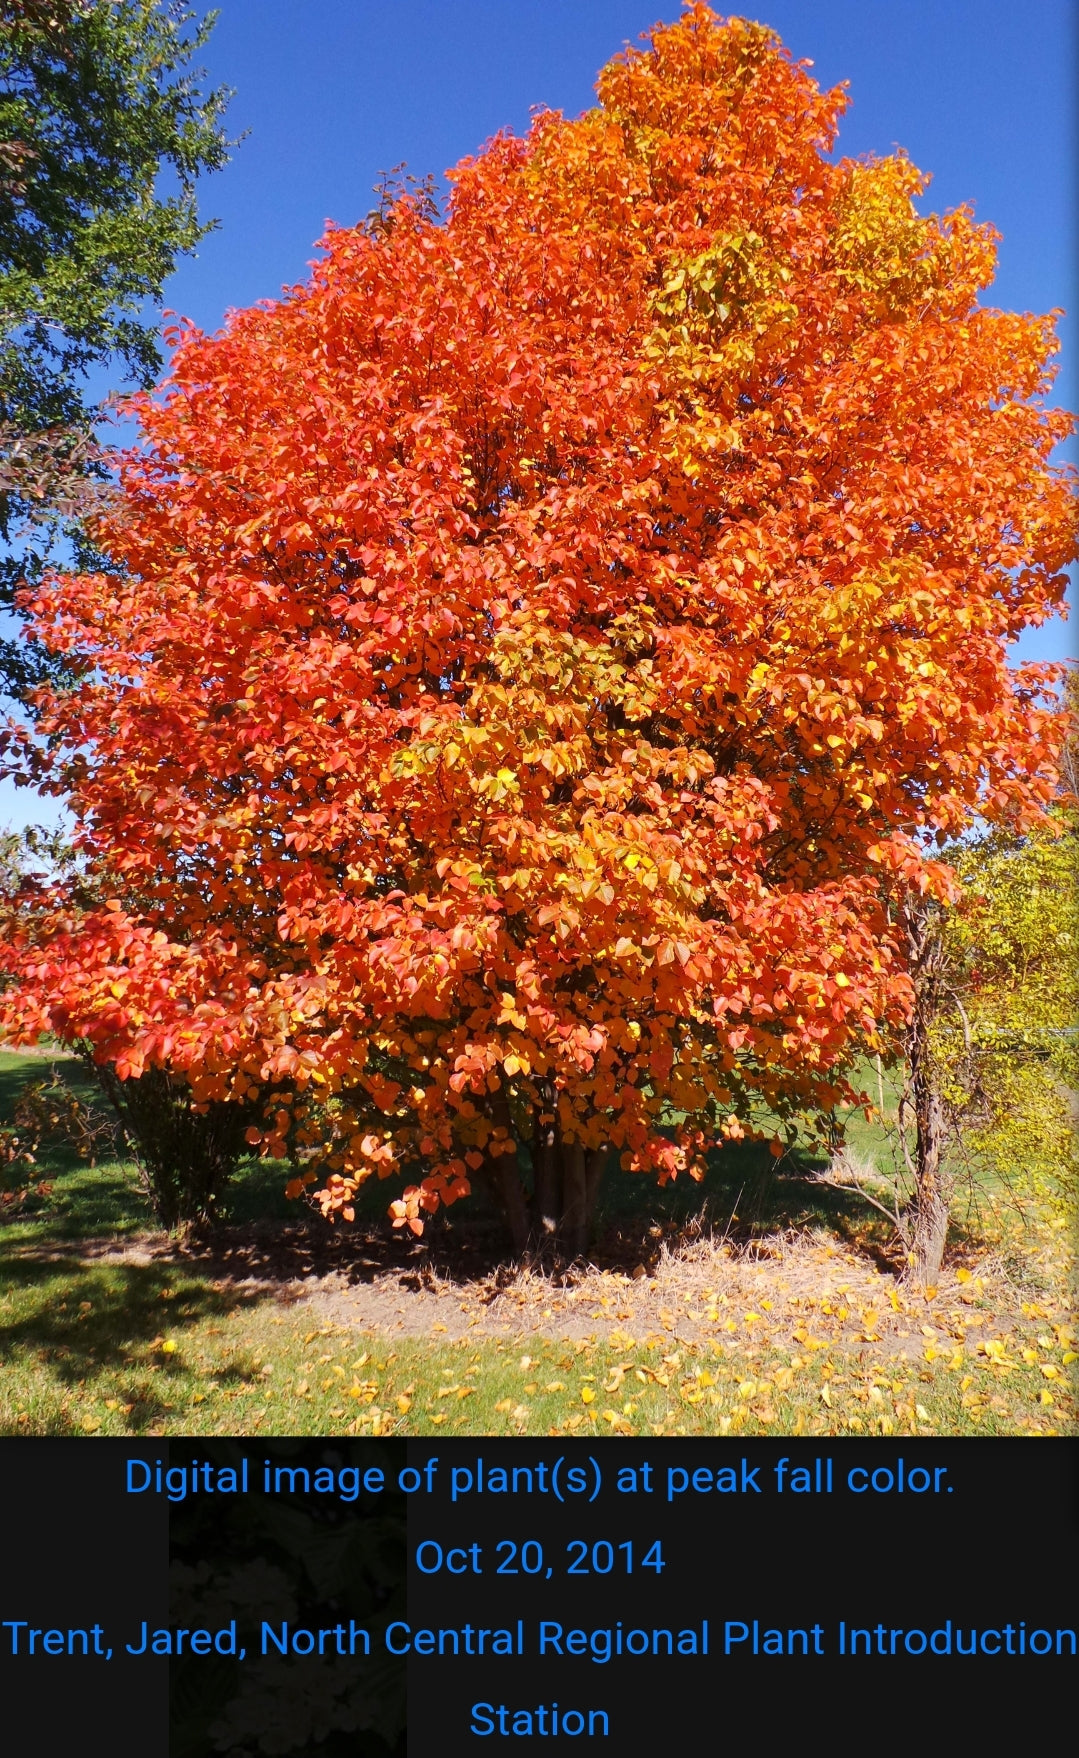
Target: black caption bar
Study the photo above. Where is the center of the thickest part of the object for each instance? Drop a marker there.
(373, 1598)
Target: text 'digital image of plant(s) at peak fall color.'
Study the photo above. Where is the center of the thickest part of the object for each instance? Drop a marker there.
(541, 664)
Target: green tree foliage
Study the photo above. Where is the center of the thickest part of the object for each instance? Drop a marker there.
(104, 129)
(990, 1058)
(1008, 1045)
(992, 1054)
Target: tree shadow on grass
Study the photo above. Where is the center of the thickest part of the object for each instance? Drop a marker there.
(97, 1220)
(97, 1327)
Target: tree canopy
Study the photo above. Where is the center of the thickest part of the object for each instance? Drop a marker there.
(104, 130)
(548, 644)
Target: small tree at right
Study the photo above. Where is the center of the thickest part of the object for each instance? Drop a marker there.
(993, 1045)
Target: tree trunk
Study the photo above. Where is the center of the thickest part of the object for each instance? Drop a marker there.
(929, 1232)
(512, 1198)
(546, 1204)
(560, 1208)
(574, 1199)
(564, 1206)
(593, 1175)
(932, 1186)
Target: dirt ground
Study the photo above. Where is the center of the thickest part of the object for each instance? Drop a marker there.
(808, 1288)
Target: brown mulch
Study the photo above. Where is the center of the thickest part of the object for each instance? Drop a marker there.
(694, 1287)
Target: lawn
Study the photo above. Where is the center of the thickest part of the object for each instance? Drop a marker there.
(779, 1314)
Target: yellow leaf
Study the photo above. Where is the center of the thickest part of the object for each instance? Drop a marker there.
(587, 1395)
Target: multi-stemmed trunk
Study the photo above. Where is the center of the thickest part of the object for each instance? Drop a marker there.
(558, 1209)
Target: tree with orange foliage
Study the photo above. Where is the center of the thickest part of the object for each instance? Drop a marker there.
(548, 645)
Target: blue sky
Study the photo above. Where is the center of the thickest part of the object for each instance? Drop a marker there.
(981, 93)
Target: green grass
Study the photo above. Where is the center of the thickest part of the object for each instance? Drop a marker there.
(135, 1350)
(92, 1345)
